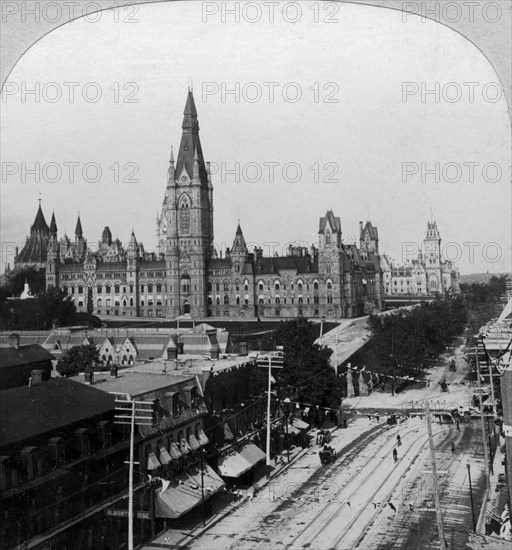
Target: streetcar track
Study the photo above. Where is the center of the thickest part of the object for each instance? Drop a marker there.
(346, 483)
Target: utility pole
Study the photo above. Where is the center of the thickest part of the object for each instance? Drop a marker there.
(270, 361)
(471, 495)
(482, 425)
(434, 474)
(131, 412)
(130, 481)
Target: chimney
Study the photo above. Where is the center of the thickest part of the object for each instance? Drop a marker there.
(243, 348)
(214, 353)
(14, 341)
(36, 377)
(172, 353)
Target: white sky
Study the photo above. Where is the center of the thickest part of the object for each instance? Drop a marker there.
(369, 133)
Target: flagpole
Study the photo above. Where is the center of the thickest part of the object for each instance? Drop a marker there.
(268, 407)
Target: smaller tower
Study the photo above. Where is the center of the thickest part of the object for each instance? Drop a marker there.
(239, 253)
(53, 256)
(80, 242)
(132, 275)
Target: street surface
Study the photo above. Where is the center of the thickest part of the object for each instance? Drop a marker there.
(366, 500)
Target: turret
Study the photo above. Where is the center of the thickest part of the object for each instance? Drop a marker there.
(171, 171)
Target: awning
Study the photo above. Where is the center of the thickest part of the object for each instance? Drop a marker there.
(194, 444)
(165, 457)
(293, 430)
(233, 465)
(211, 481)
(300, 424)
(181, 495)
(153, 462)
(228, 434)
(203, 440)
(175, 451)
(184, 447)
(184, 492)
(252, 454)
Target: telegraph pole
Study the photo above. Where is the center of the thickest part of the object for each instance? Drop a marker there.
(130, 481)
(482, 425)
(131, 412)
(275, 361)
(434, 474)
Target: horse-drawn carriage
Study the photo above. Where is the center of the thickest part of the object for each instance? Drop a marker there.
(323, 437)
(327, 455)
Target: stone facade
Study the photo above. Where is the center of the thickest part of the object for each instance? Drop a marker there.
(186, 275)
(427, 275)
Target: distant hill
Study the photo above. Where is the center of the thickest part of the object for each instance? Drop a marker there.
(479, 277)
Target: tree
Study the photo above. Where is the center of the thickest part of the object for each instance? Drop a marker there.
(78, 359)
(307, 373)
(90, 305)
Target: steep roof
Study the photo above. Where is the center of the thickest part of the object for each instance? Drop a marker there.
(190, 143)
(372, 230)
(40, 223)
(63, 401)
(33, 353)
(334, 222)
(35, 249)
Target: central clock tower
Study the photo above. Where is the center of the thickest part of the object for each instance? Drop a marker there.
(185, 224)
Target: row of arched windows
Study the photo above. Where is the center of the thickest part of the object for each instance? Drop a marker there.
(225, 285)
(300, 285)
(226, 300)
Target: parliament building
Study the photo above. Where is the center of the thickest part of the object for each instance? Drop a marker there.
(186, 275)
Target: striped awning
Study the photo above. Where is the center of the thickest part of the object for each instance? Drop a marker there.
(194, 444)
(165, 457)
(228, 434)
(185, 447)
(175, 451)
(203, 440)
(184, 491)
(153, 462)
(252, 454)
(233, 465)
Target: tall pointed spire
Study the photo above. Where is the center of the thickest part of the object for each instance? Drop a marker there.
(78, 229)
(239, 245)
(39, 222)
(53, 225)
(190, 145)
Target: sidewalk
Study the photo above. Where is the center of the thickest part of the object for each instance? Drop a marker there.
(497, 496)
(225, 504)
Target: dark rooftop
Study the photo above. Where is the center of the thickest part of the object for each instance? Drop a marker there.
(31, 411)
(33, 353)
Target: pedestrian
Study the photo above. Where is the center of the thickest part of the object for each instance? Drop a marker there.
(344, 423)
(453, 447)
(457, 424)
(398, 440)
(395, 455)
